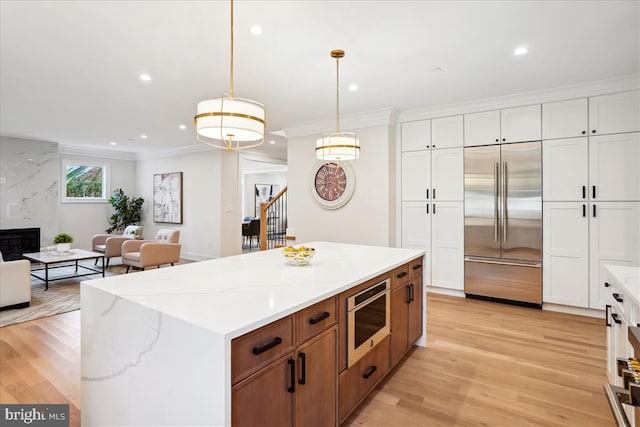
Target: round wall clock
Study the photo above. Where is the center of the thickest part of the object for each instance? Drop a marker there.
(331, 185)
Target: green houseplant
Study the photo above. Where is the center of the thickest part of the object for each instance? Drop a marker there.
(63, 242)
(128, 211)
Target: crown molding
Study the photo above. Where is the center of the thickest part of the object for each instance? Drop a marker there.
(562, 93)
(379, 117)
(179, 151)
(84, 151)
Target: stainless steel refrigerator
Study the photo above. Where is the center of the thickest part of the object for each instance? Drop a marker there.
(503, 222)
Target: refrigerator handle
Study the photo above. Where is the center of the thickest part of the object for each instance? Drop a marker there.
(504, 201)
(496, 173)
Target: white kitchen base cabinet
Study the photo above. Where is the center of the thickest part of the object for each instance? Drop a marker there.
(564, 119)
(565, 276)
(614, 171)
(416, 231)
(447, 245)
(614, 113)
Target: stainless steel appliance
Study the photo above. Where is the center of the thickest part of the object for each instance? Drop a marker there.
(368, 320)
(503, 222)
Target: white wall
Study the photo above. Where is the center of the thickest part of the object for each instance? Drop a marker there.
(367, 217)
(200, 232)
(249, 182)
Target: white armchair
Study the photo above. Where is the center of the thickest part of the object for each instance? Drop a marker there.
(165, 249)
(15, 284)
(111, 245)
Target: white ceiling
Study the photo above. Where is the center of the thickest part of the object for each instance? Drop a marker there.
(69, 69)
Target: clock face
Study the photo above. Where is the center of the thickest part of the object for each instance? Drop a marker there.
(330, 182)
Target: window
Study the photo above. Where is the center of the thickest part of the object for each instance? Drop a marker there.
(84, 181)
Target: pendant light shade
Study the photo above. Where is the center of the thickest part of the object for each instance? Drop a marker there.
(339, 147)
(228, 122)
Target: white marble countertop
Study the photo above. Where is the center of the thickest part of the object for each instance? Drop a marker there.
(629, 278)
(234, 295)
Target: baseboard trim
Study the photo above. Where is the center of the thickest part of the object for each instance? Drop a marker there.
(580, 311)
(445, 291)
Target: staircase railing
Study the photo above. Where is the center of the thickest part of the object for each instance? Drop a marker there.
(273, 221)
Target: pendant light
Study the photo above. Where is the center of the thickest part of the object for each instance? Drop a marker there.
(339, 147)
(229, 122)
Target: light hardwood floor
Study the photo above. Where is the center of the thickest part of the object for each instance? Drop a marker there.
(486, 364)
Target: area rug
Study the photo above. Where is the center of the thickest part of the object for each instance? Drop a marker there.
(62, 296)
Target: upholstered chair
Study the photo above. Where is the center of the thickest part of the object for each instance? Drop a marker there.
(15, 284)
(165, 249)
(111, 245)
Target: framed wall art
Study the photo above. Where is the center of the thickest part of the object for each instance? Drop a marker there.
(167, 197)
(264, 194)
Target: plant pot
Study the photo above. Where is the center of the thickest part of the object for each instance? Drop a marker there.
(63, 247)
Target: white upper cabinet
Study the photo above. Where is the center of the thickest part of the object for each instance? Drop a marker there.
(565, 169)
(520, 124)
(447, 132)
(482, 128)
(416, 175)
(614, 171)
(615, 113)
(564, 119)
(447, 174)
(416, 135)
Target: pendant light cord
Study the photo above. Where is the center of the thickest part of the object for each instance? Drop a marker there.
(231, 61)
(337, 95)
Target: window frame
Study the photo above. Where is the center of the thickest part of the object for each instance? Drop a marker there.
(77, 161)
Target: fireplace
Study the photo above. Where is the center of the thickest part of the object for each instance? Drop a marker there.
(17, 241)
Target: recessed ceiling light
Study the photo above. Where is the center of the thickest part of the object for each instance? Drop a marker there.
(143, 136)
(145, 77)
(520, 51)
(437, 69)
(113, 143)
(272, 142)
(182, 127)
(353, 87)
(256, 30)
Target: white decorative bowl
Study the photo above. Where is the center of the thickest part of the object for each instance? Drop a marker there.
(300, 257)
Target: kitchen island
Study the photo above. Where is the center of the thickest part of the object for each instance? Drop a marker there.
(157, 345)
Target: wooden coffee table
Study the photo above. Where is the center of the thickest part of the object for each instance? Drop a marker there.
(49, 259)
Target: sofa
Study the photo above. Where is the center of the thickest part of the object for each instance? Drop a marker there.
(141, 254)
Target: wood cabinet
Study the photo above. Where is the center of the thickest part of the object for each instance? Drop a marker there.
(416, 135)
(614, 174)
(416, 175)
(614, 113)
(447, 132)
(503, 126)
(406, 310)
(565, 275)
(565, 170)
(564, 119)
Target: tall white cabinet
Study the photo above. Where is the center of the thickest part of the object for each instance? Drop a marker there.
(591, 195)
(432, 197)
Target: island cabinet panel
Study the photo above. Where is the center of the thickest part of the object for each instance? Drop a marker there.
(400, 276)
(255, 350)
(356, 382)
(264, 396)
(415, 310)
(400, 300)
(313, 320)
(315, 394)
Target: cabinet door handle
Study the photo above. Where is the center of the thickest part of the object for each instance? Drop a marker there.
(292, 372)
(584, 191)
(401, 274)
(427, 207)
(584, 132)
(593, 191)
(607, 309)
(607, 284)
(319, 319)
(584, 210)
(615, 318)
(303, 367)
(411, 297)
(617, 297)
(427, 194)
(370, 372)
(593, 131)
(594, 211)
(408, 294)
(434, 208)
(434, 194)
(417, 266)
(259, 350)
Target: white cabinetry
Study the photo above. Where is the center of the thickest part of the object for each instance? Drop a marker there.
(614, 113)
(564, 119)
(503, 126)
(447, 245)
(447, 174)
(614, 238)
(565, 169)
(416, 175)
(566, 253)
(447, 132)
(416, 231)
(614, 167)
(416, 135)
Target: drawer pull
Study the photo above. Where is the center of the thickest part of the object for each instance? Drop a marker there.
(370, 372)
(259, 350)
(319, 318)
(401, 274)
(292, 371)
(617, 297)
(615, 318)
(417, 266)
